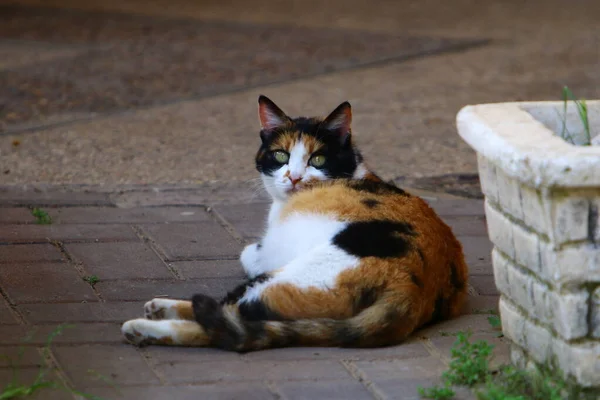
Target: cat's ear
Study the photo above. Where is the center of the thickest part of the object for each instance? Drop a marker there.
(270, 115)
(340, 121)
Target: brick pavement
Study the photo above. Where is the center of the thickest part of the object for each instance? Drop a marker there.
(175, 249)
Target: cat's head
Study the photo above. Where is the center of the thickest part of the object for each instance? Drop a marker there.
(296, 151)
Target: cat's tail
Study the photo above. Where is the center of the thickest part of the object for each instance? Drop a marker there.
(383, 323)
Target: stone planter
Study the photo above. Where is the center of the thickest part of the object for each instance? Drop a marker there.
(542, 202)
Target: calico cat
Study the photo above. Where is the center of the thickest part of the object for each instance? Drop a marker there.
(347, 259)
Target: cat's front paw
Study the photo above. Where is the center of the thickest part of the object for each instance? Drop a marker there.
(250, 260)
(158, 309)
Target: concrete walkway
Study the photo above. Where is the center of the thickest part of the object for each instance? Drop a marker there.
(165, 91)
(176, 242)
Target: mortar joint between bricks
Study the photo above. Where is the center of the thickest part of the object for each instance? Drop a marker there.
(52, 363)
(12, 307)
(434, 351)
(77, 265)
(357, 374)
(272, 388)
(156, 249)
(225, 224)
(150, 363)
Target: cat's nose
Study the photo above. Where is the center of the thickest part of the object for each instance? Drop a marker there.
(295, 180)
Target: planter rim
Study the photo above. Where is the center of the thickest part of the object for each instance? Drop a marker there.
(511, 138)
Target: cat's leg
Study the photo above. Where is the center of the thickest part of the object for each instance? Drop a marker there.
(250, 259)
(159, 308)
(142, 332)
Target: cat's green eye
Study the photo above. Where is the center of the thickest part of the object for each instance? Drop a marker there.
(317, 161)
(281, 157)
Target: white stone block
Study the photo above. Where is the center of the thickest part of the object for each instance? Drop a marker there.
(568, 218)
(536, 339)
(565, 312)
(487, 179)
(581, 361)
(595, 322)
(527, 249)
(520, 289)
(500, 230)
(570, 314)
(534, 213)
(509, 195)
(595, 219)
(500, 267)
(574, 264)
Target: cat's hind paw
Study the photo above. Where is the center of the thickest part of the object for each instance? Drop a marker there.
(140, 332)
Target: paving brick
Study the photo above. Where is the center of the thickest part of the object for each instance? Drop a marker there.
(81, 312)
(467, 226)
(29, 253)
(12, 334)
(148, 289)
(209, 269)
(20, 335)
(161, 355)
(478, 254)
(193, 241)
(472, 322)
(484, 284)
(411, 349)
(113, 215)
(249, 220)
(76, 333)
(405, 389)
(21, 215)
(455, 207)
(335, 389)
(6, 316)
(481, 304)
(20, 356)
(120, 364)
(416, 368)
(119, 260)
(66, 233)
(44, 282)
(230, 391)
(236, 371)
(35, 196)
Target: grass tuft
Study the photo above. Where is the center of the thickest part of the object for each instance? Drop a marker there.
(582, 110)
(470, 366)
(41, 216)
(91, 279)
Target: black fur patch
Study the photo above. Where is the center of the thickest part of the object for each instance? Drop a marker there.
(381, 239)
(367, 297)
(454, 278)
(371, 203)
(340, 157)
(347, 336)
(375, 187)
(415, 279)
(237, 293)
(258, 311)
(207, 312)
(440, 311)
